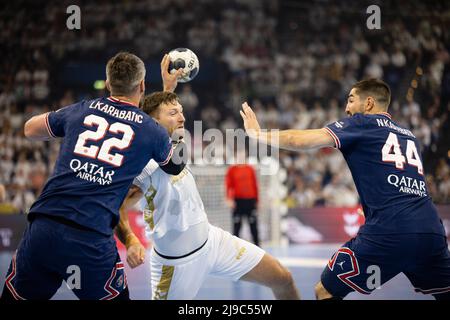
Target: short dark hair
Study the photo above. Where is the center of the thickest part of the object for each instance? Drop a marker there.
(151, 102)
(124, 72)
(375, 88)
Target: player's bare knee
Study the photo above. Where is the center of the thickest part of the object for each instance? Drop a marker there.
(288, 279)
(318, 289)
(284, 278)
(321, 292)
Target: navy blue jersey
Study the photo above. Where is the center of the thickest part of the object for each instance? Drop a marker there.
(387, 169)
(106, 144)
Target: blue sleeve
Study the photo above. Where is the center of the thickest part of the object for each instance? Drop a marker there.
(163, 151)
(346, 132)
(56, 120)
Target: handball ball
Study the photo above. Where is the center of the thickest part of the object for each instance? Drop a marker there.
(185, 59)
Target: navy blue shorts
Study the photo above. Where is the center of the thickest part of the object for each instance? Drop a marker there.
(368, 261)
(51, 252)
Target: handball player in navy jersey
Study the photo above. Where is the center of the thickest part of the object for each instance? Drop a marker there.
(106, 142)
(403, 232)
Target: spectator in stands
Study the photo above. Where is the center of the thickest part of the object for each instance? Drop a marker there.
(5, 207)
(250, 44)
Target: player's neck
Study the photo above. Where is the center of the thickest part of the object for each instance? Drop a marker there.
(128, 100)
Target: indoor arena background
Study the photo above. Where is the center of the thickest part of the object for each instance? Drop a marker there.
(294, 61)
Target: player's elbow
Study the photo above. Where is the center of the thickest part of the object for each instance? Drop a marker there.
(309, 139)
(172, 168)
(177, 163)
(28, 129)
(36, 129)
(295, 142)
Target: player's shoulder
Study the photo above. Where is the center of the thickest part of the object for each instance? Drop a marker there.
(364, 120)
(150, 167)
(356, 120)
(384, 121)
(126, 112)
(145, 177)
(147, 121)
(73, 106)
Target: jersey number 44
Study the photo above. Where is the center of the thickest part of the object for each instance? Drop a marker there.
(391, 152)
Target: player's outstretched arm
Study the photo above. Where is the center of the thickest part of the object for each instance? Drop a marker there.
(135, 250)
(37, 128)
(170, 81)
(286, 139)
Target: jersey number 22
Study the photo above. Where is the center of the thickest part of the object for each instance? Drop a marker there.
(103, 153)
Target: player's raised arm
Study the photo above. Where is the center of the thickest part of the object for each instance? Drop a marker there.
(37, 128)
(287, 139)
(135, 250)
(170, 81)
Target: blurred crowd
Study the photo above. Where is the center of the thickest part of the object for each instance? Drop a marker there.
(293, 61)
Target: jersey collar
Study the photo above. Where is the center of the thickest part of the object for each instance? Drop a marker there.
(121, 101)
(386, 114)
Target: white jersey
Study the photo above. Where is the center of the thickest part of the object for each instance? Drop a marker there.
(171, 204)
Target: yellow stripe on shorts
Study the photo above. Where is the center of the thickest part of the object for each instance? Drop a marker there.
(162, 289)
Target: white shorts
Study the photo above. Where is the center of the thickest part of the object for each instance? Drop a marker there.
(223, 255)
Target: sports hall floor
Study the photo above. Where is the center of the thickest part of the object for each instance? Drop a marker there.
(304, 261)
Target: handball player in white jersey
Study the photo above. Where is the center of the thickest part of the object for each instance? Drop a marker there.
(186, 247)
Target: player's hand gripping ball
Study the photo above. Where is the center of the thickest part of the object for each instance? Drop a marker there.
(185, 59)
